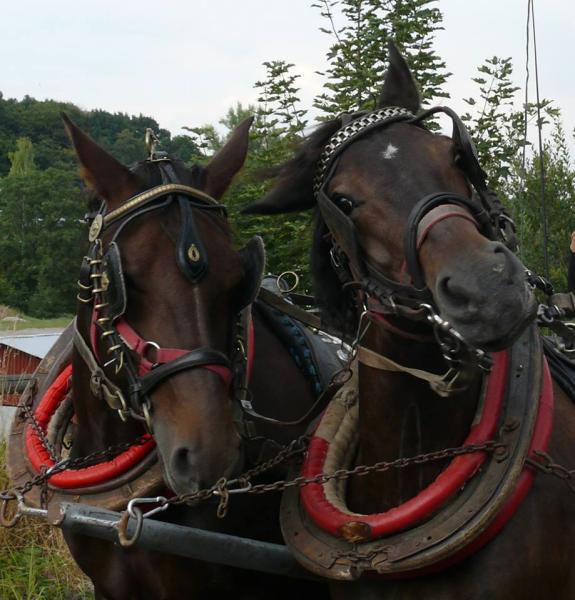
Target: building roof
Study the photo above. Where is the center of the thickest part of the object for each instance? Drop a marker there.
(36, 344)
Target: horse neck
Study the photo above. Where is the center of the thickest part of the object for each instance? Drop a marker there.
(279, 388)
(400, 416)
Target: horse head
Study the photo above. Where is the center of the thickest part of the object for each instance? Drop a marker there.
(405, 214)
(163, 324)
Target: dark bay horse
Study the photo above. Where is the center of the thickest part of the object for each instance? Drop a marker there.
(174, 286)
(372, 256)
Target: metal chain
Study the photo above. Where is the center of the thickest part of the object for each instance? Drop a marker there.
(547, 465)
(224, 488)
(29, 416)
(294, 448)
(42, 478)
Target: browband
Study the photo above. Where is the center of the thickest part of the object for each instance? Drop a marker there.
(157, 192)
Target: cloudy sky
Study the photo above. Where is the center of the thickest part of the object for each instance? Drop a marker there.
(185, 62)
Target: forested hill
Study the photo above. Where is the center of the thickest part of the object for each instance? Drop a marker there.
(40, 122)
(42, 234)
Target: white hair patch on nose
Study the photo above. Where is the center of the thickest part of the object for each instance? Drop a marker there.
(389, 152)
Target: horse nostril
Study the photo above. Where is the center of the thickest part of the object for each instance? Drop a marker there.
(183, 462)
(455, 295)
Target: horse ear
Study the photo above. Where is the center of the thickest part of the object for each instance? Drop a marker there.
(228, 160)
(292, 192)
(399, 87)
(108, 177)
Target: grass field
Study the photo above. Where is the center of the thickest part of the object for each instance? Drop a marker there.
(34, 561)
(11, 320)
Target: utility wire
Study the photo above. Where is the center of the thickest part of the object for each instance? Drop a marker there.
(522, 194)
(530, 29)
(541, 157)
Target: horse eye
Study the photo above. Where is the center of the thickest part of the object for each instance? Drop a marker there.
(344, 204)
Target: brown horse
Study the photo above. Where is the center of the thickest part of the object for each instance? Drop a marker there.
(370, 237)
(189, 301)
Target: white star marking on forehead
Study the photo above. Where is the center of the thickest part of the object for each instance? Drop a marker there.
(390, 152)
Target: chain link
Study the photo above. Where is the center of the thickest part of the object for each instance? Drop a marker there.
(27, 414)
(547, 465)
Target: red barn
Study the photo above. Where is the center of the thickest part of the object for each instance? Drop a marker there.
(19, 357)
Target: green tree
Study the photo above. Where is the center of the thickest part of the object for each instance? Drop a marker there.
(497, 123)
(278, 127)
(559, 199)
(22, 159)
(41, 235)
(357, 58)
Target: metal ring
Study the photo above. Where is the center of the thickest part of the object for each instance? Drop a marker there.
(147, 416)
(123, 412)
(282, 278)
(6, 521)
(122, 526)
(145, 347)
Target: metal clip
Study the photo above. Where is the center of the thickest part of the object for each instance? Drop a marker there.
(161, 500)
(125, 540)
(5, 520)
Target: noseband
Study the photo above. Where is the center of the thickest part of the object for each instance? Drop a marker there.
(144, 363)
(411, 300)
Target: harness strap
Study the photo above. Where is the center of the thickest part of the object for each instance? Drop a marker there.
(101, 386)
(565, 302)
(443, 385)
(201, 357)
(438, 214)
(158, 192)
(143, 348)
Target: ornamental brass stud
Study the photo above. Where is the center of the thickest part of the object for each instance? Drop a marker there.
(95, 228)
(193, 253)
(105, 281)
(356, 531)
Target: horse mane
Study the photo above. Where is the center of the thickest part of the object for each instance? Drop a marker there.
(293, 190)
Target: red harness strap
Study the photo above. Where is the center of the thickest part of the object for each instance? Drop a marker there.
(143, 347)
(39, 457)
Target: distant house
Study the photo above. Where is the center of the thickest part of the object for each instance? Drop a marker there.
(19, 357)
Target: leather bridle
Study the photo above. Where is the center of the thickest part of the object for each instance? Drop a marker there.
(143, 363)
(412, 300)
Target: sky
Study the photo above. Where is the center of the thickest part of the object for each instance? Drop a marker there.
(185, 62)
